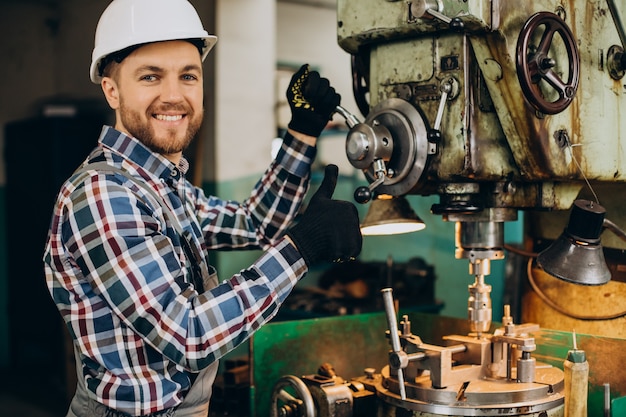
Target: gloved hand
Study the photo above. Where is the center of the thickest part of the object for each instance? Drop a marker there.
(329, 229)
(312, 100)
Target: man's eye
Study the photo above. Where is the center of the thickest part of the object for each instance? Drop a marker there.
(148, 78)
(189, 77)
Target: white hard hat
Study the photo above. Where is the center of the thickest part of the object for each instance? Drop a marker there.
(126, 23)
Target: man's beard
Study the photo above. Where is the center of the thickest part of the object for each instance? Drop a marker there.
(171, 144)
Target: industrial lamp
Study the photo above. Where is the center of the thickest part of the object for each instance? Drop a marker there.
(389, 216)
(577, 255)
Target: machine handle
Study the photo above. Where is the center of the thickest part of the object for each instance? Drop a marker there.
(390, 312)
(351, 119)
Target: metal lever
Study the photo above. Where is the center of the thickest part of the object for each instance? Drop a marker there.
(364, 194)
(351, 119)
(420, 8)
(398, 356)
(367, 146)
(447, 90)
(455, 23)
(435, 13)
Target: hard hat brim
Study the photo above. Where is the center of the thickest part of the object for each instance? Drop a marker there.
(94, 71)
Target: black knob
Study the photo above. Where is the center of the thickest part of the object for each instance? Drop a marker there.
(457, 24)
(362, 195)
(434, 136)
(586, 220)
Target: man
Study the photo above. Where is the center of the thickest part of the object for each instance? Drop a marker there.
(126, 258)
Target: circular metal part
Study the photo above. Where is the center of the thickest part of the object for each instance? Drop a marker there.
(420, 8)
(397, 133)
(451, 87)
(535, 65)
(366, 144)
(615, 57)
(479, 235)
(480, 397)
(491, 214)
(526, 366)
(285, 404)
(479, 312)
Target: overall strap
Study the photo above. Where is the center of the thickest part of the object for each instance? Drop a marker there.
(203, 276)
(105, 167)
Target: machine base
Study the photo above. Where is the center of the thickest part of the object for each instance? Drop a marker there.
(486, 397)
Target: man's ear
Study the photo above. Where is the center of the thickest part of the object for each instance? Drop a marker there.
(111, 92)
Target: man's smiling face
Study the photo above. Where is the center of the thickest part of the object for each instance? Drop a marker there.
(157, 95)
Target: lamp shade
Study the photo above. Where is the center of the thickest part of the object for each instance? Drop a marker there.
(390, 216)
(577, 255)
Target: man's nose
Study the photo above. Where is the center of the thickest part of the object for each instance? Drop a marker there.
(171, 90)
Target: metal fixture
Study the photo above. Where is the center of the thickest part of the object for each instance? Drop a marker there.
(616, 58)
(389, 216)
(479, 238)
(291, 397)
(495, 107)
(534, 63)
(492, 375)
(471, 375)
(577, 255)
(390, 146)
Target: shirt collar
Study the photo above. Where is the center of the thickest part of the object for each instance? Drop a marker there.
(135, 151)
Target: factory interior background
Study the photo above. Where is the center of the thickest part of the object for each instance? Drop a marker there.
(46, 48)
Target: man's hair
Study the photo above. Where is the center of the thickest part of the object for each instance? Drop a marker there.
(118, 56)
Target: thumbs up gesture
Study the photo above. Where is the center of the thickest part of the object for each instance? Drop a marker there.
(329, 229)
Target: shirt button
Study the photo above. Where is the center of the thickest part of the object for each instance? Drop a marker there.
(174, 172)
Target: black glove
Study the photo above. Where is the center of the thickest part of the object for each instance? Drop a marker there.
(329, 229)
(312, 100)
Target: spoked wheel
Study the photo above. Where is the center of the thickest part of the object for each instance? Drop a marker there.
(291, 398)
(547, 84)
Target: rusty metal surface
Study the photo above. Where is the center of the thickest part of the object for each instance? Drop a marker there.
(506, 136)
(363, 22)
(491, 132)
(592, 121)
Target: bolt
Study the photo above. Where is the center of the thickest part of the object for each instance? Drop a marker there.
(547, 63)
(510, 188)
(562, 138)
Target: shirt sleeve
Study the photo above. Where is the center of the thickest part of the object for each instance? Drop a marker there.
(263, 218)
(125, 263)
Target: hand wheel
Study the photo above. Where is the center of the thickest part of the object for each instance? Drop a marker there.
(534, 63)
(284, 404)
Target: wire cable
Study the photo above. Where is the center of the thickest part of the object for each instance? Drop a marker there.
(553, 305)
(519, 251)
(580, 169)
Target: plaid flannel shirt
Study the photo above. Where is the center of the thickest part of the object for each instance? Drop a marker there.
(121, 279)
